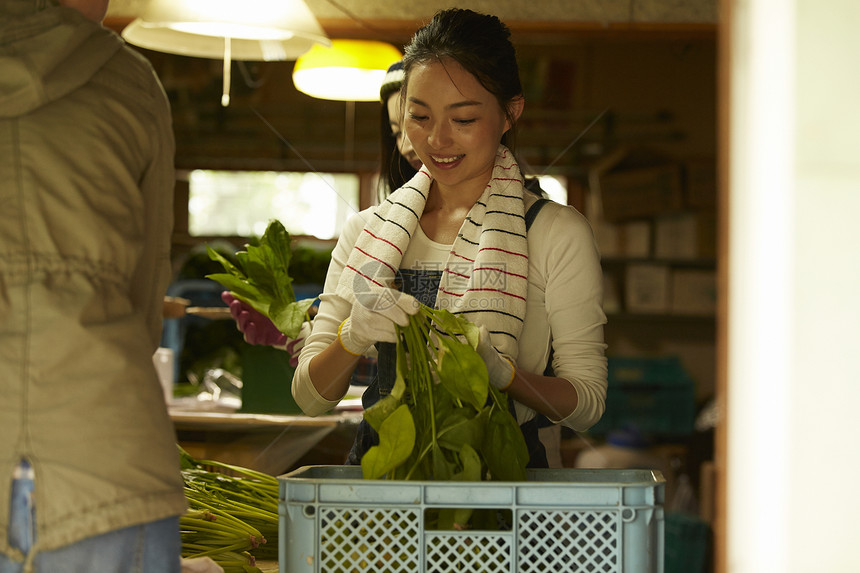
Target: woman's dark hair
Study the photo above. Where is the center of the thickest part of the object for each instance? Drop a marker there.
(481, 44)
(394, 170)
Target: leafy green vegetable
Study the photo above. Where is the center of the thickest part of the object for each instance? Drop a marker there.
(232, 517)
(443, 420)
(262, 279)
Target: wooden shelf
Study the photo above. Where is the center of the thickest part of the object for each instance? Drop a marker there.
(661, 318)
(676, 263)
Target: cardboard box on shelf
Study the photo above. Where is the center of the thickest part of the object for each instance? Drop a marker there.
(631, 240)
(694, 292)
(647, 288)
(685, 236)
(638, 193)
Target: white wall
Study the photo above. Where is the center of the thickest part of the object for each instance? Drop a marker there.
(794, 287)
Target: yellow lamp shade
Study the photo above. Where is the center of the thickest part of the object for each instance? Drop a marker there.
(348, 70)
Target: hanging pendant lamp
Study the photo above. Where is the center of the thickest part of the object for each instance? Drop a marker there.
(257, 30)
(347, 70)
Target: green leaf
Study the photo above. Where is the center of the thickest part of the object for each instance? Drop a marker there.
(462, 372)
(456, 325)
(241, 289)
(471, 463)
(259, 268)
(278, 241)
(228, 266)
(462, 427)
(379, 412)
(288, 318)
(504, 447)
(262, 279)
(443, 468)
(396, 440)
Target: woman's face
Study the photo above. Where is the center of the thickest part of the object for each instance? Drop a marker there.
(395, 117)
(454, 124)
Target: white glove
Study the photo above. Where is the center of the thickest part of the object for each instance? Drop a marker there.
(373, 319)
(499, 368)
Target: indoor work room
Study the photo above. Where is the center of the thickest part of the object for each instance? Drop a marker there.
(401, 285)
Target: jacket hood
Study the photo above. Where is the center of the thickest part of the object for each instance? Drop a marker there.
(46, 52)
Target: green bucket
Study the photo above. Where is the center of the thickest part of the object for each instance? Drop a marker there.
(267, 379)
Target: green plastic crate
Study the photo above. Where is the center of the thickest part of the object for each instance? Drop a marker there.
(688, 543)
(654, 395)
(333, 521)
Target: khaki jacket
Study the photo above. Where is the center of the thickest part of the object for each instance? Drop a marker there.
(86, 199)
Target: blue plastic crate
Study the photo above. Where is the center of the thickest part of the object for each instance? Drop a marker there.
(333, 521)
(654, 395)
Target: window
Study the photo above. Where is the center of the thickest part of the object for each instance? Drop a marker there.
(241, 203)
(555, 187)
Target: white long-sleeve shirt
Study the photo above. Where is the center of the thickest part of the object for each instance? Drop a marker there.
(564, 309)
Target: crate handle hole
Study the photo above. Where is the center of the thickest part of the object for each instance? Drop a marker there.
(477, 519)
(309, 511)
(628, 515)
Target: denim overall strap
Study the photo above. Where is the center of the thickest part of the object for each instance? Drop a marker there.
(537, 451)
(423, 285)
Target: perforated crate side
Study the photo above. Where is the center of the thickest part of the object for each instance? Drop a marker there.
(333, 521)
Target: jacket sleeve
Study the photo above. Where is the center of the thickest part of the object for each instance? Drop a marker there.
(153, 273)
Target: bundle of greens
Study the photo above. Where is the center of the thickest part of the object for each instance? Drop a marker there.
(443, 420)
(262, 279)
(233, 519)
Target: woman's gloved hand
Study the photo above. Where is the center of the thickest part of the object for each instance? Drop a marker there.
(499, 368)
(373, 318)
(257, 328)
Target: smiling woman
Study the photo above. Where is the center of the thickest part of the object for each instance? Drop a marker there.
(459, 231)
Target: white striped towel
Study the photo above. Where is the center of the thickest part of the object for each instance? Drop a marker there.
(486, 274)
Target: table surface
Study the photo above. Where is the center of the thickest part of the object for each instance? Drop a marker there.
(244, 421)
(270, 443)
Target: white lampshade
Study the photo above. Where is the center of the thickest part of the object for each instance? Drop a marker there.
(348, 70)
(257, 29)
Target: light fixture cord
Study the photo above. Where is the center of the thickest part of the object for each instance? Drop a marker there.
(228, 57)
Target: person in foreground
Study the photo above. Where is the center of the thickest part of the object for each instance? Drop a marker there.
(465, 235)
(89, 469)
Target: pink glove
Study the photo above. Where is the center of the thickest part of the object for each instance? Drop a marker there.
(257, 328)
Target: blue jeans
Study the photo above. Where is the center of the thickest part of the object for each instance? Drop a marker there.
(149, 548)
